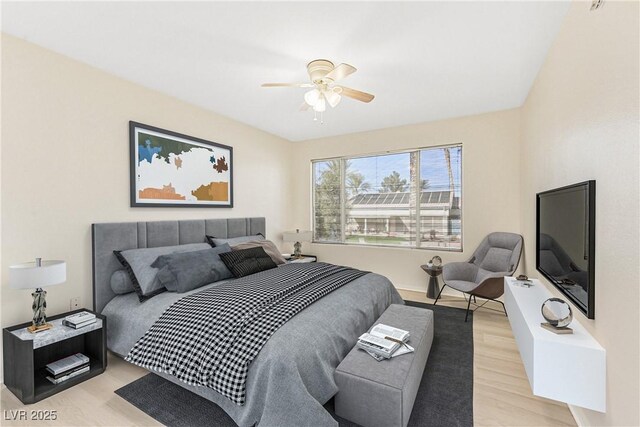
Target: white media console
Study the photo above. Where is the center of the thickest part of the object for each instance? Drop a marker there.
(569, 368)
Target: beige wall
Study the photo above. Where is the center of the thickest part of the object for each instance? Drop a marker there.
(490, 188)
(65, 165)
(580, 122)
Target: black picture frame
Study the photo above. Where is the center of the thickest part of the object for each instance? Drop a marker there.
(590, 232)
(135, 128)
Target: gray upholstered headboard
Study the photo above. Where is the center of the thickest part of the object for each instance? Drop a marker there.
(108, 237)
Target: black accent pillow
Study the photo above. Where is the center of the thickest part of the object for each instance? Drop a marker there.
(247, 261)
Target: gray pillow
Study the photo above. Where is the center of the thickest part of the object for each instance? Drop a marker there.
(183, 272)
(137, 263)
(214, 241)
(121, 282)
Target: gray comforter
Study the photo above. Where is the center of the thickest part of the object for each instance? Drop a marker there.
(292, 376)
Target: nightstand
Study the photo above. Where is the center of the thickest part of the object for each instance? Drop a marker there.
(304, 259)
(26, 355)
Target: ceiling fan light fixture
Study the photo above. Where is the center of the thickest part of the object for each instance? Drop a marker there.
(332, 98)
(320, 106)
(312, 97)
(323, 78)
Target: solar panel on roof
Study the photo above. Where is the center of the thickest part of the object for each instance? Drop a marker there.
(426, 197)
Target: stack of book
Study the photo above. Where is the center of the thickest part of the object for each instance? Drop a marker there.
(79, 320)
(385, 342)
(67, 368)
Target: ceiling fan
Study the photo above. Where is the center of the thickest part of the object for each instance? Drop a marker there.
(324, 75)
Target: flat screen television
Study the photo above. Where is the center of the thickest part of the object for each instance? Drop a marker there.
(565, 241)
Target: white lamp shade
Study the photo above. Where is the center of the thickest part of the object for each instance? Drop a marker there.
(312, 97)
(321, 105)
(332, 98)
(30, 276)
(297, 236)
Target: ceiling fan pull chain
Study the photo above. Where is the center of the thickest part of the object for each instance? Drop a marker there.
(315, 116)
(321, 117)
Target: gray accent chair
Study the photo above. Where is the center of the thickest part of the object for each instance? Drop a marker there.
(483, 275)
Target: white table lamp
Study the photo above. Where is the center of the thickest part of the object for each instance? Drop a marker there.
(298, 237)
(38, 274)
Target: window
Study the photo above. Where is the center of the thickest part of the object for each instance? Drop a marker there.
(409, 199)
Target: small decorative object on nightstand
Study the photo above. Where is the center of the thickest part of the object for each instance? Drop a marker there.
(26, 356)
(433, 268)
(558, 315)
(298, 237)
(37, 275)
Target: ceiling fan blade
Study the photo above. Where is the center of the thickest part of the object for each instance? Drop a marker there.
(304, 107)
(288, 85)
(356, 94)
(340, 72)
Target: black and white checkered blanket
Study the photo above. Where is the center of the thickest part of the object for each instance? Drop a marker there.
(211, 337)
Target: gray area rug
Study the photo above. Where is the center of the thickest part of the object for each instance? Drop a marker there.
(445, 396)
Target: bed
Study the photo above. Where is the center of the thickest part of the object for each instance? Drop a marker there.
(292, 376)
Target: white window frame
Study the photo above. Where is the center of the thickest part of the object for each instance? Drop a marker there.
(418, 244)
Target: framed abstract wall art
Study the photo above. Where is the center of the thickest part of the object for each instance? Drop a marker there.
(169, 169)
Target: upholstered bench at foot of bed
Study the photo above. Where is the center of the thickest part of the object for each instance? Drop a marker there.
(373, 393)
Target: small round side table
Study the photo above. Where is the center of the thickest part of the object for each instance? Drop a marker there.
(433, 287)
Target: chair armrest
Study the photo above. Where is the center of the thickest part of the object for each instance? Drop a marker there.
(459, 271)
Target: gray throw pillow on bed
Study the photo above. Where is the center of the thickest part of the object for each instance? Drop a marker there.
(183, 272)
(137, 263)
(121, 282)
(214, 241)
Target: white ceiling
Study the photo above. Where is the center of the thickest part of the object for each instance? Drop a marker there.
(423, 61)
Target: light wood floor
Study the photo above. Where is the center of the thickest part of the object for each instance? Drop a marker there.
(501, 396)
